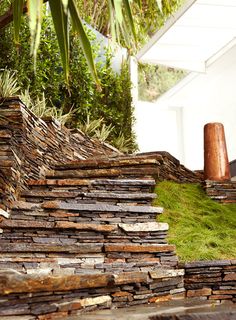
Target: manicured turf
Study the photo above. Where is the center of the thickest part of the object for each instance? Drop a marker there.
(199, 227)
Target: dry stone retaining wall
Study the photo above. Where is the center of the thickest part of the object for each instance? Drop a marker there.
(221, 191)
(82, 234)
(212, 280)
(30, 145)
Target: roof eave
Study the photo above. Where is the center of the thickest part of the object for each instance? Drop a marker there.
(169, 23)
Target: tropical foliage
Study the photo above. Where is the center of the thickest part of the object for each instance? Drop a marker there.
(126, 21)
(48, 94)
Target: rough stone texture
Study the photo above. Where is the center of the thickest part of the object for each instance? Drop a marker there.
(146, 226)
(30, 146)
(75, 244)
(163, 273)
(87, 236)
(159, 165)
(214, 279)
(208, 315)
(221, 191)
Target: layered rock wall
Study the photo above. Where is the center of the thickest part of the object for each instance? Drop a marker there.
(30, 145)
(221, 191)
(212, 280)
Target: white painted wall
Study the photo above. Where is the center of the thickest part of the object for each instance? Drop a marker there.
(209, 97)
(156, 128)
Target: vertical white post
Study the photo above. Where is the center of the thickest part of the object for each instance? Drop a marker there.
(134, 79)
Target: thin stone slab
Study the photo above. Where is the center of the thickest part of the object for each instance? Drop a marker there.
(22, 205)
(96, 195)
(73, 248)
(127, 182)
(126, 247)
(166, 273)
(84, 182)
(95, 301)
(4, 214)
(85, 226)
(14, 282)
(209, 263)
(100, 207)
(28, 224)
(113, 195)
(144, 227)
(99, 173)
(51, 194)
(130, 277)
(97, 163)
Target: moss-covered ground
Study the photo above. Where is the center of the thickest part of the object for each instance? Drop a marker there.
(199, 227)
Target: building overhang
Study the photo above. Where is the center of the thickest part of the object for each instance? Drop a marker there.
(190, 39)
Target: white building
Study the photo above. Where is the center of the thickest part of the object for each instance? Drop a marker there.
(200, 38)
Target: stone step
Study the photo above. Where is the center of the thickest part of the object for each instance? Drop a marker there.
(223, 184)
(100, 207)
(15, 282)
(98, 227)
(117, 167)
(85, 248)
(92, 185)
(110, 163)
(40, 296)
(79, 207)
(96, 182)
(78, 248)
(135, 171)
(97, 195)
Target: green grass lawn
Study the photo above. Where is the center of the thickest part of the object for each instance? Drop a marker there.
(200, 228)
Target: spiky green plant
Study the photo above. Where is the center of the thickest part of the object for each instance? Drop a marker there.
(103, 132)
(8, 84)
(122, 144)
(90, 126)
(40, 108)
(63, 118)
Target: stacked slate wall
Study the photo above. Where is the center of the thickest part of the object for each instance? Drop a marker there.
(221, 191)
(29, 146)
(211, 280)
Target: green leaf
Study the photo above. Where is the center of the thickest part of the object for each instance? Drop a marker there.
(17, 14)
(84, 41)
(118, 10)
(112, 19)
(130, 20)
(65, 4)
(167, 6)
(60, 21)
(35, 11)
(139, 4)
(159, 4)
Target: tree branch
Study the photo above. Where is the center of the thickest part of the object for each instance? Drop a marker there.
(7, 17)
